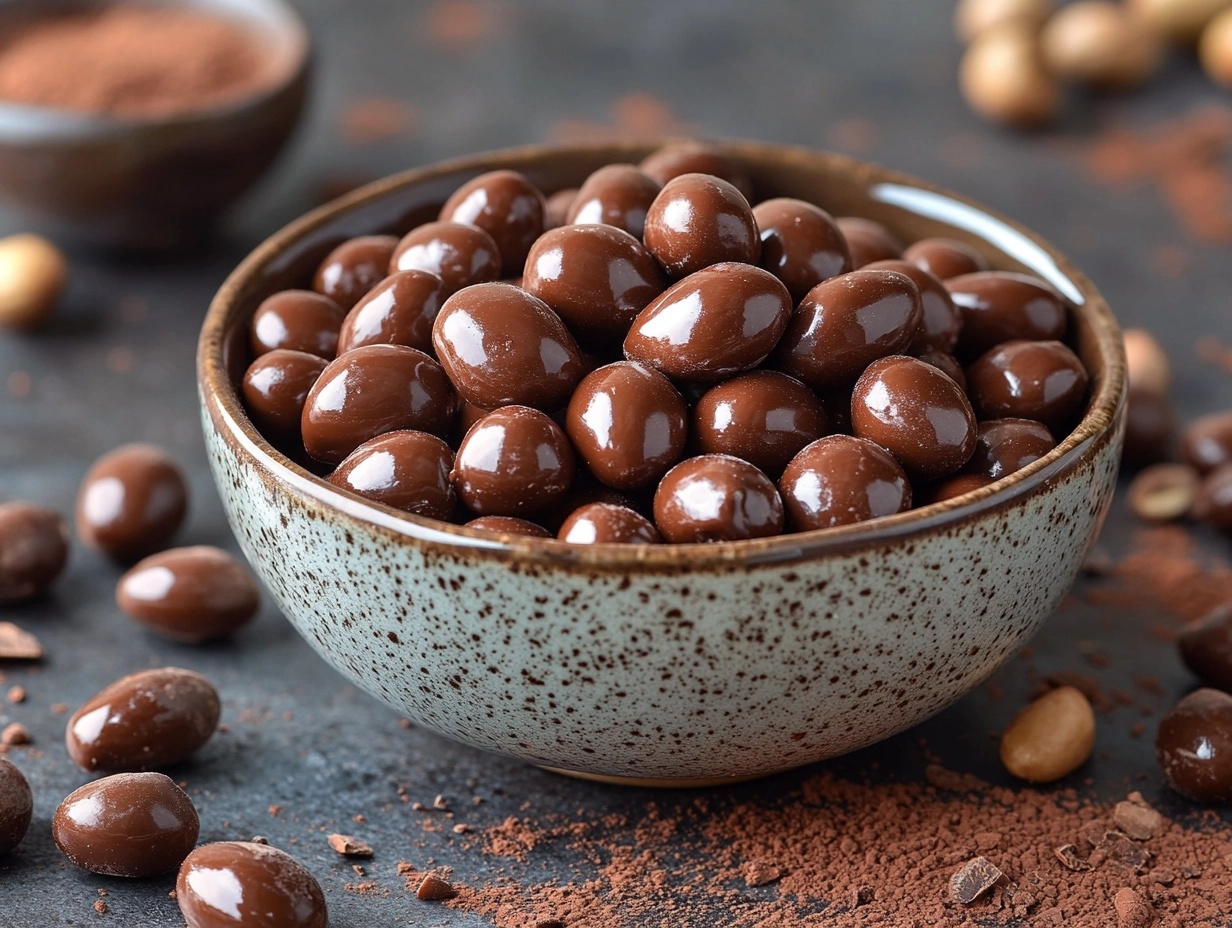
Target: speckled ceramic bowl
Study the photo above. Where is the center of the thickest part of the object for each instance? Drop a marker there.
(672, 664)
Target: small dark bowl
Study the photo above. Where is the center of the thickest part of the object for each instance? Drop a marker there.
(152, 184)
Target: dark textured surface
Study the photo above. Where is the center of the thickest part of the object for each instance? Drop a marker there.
(117, 366)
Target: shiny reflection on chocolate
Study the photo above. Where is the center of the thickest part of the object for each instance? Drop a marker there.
(458, 254)
(505, 205)
(1206, 647)
(399, 310)
(1003, 446)
(951, 487)
(698, 220)
(616, 195)
(297, 320)
(945, 257)
(191, 595)
(1000, 306)
(144, 721)
(1213, 504)
(354, 268)
(503, 346)
(608, 524)
(948, 365)
(762, 417)
(1194, 746)
(373, 390)
(131, 501)
(129, 824)
(846, 323)
(916, 413)
(275, 387)
(1206, 442)
(868, 241)
(515, 461)
(839, 480)
(1150, 428)
(238, 884)
(508, 525)
(671, 161)
(33, 550)
(556, 208)
(715, 323)
(940, 322)
(16, 806)
(1044, 381)
(715, 497)
(406, 470)
(595, 277)
(800, 244)
(628, 424)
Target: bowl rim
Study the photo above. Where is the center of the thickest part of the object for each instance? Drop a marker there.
(220, 400)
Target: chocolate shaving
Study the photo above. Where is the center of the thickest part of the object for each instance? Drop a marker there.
(1121, 850)
(974, 878)
(1070, 858)
(17, 644)
(434, 889)
(349, 847)
(1137, 819)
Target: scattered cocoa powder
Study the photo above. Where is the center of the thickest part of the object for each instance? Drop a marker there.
(1166, 568)
(461, 24)
(369, 120)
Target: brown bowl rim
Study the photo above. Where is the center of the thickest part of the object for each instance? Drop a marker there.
(223, 404)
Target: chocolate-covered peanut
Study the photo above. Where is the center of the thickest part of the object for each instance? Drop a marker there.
(239, 884)
(373, 390)
(916, 413)
(131, 501)
(130, 824)
(556, 208)
(1206, 647)
(191, 595)
(672, 161)
(628, 424)
(607, 524)
(1150, 428)
(868, 241)
(1213, 504)
(505, 205)
(406, 470)
(698, 220)
(515, 461)
(712, 324)
(945, 257)
(940, 321)
(715, 497)
(16, 806)
(762, 417)
(1206, 442)
(145, 721)
(33, 550)
(275, 387)
(502, 346)
(800, 244)
(958, 485)
(841, 479)
(508, 525)
(597, 278)
(844, 324)
(460, 255)
(399, 310)
(1044, 381)
(1003, 446)
(948, 365)
(354, 268)
(616, 195)
(1000, 306)
(296, 320)
(1194, 746)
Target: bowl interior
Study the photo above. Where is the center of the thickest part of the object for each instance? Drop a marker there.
(910, 208)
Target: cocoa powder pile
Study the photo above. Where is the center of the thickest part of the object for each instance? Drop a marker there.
(130, 61)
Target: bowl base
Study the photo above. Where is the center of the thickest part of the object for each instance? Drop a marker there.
(655, 782)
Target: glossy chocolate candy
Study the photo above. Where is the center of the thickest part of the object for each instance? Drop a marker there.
(33, 550)
(608, 524)
(616, 195)
(296, 320)
(1206, 442)
(515, 461)
(715, 497)
(556, 208)
(945, 257)
(191, 595)
(1000, 306)
(508, 525)
(1213, 504)
(948, 365)
(238, 884)
(505, 205)
(839, 480)
(940, 321)
(131, 502)
(16, 806)
(354, 268)
(916, 413)
(1003, 446)
(672, 161)
(844, 324)
(1150, 428)
(800, 244)
(715, 323)
(399, 310)
(958, 485)
(275, 387)
(597, 278)
(628, 424)
(502, 346)
(129, 824)
(698, 220)
(762, 417)
(1194, 746)
(460, 255)
(373, 390)
(868, 241)
(1206, 647)
(1044, 381)
(406, 470)
(145, 721)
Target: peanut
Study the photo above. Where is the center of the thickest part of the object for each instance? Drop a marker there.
(972, 18)
(1146, 363)
(1164, 492)
(1096, 42)
(32, 275)
(1050, 738)
(1180, 21)
(1003, 80)
(1215, 49)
